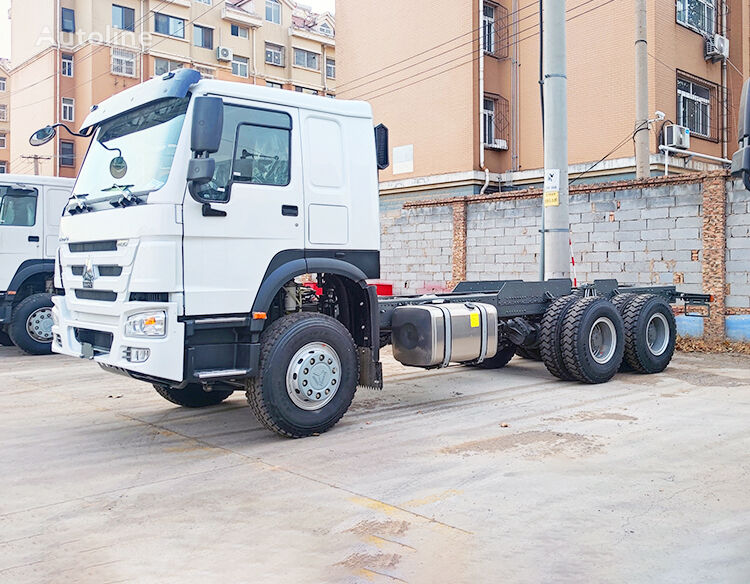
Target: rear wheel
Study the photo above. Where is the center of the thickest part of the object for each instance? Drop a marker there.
(308, 375)
(621, 302)
(31, 329)
(650, 333)
(192, 396)
(550, 348)
(593, 340)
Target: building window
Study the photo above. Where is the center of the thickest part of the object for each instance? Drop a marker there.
(3, 113)
(274, 55)
(67, 153)
(123, 17)
(203, 37)
(2, 140)
(300, 89)
(68, 109)
(273, 11)
(123, 62)
(697, 14)
(330, 69)
(694, 106)
(162, 66)
(273, 85)
(306, 59)
(206, 2)
(3, 167)
(488, 28)
(488, 121)
(240, 31)
(3, 83)
(206, 72)
(325, 29)
(68, 21)
(169, 25)
(239, 66)
(67, 65)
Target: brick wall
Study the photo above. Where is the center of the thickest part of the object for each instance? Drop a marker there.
(690, 230)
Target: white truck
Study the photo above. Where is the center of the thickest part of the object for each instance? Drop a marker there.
(221, 236)
(30, 211)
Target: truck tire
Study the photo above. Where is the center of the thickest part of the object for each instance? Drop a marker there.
(308, 375)
(650, 333)
(192, 396)
(500, 360)
(31, 327)
(551, 334)
(621, 301)
(593, 340)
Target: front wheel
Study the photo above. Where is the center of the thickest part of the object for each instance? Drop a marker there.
(192, 396)
(31, 329)
(308, 375)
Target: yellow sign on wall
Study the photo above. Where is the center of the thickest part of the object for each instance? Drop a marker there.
(552, 198)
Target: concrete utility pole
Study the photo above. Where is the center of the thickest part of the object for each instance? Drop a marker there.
(642, 154)
(36, 158)
(556, 222)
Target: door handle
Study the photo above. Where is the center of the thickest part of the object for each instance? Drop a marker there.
(289, 210)
(34, 238)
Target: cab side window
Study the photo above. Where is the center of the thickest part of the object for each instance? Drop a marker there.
(255, 148)
(17, 207)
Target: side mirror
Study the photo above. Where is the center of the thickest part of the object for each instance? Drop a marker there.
(208, 123)
(381, 146)
(41, 137)
(741, 158)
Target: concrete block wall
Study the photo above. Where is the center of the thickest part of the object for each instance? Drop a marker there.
(416, 249)
(738, 246)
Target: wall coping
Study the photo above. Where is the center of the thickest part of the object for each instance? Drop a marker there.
(621, 185)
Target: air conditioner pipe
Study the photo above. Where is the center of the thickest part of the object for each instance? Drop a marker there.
(690, 153)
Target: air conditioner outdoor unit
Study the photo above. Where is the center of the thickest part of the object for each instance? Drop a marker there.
(501, 144)
(717, 48)
(677, 136)
(224, 54)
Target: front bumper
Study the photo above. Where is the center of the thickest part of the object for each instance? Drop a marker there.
(95, 330)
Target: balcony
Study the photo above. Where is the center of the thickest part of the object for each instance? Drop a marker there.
(242, 14)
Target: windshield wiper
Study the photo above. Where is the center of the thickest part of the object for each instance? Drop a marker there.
(80, 206)
(127, 198)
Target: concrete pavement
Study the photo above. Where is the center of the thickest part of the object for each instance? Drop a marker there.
(454, 476)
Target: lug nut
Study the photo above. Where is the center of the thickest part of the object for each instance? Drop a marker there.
(328, 391)
(306, 371)
(333, 382)
(317, 396)
(309, 392)
(304, 382)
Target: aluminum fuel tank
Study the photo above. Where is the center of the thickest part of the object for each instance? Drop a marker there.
(434, 335)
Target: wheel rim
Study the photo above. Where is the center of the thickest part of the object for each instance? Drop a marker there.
(313, 376)
(602, 340)
(39, 325)
(657, 334)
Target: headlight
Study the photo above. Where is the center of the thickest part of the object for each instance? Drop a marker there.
(147, 324)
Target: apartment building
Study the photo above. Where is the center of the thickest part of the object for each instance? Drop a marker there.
(69, 55)
(462, 95)
(4, 116)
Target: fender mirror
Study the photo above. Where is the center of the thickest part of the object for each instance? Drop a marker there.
(41, 137)
(741, 158)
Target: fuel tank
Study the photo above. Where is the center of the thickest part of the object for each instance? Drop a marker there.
(435, 335)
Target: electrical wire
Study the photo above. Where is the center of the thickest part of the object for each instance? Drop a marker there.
(630, 136)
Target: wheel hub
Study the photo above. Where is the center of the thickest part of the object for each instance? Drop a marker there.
(39, 325)
(657, 334)
(602, 340)
(313, 376)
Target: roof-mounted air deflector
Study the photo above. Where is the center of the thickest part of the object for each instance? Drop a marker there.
(172, 84)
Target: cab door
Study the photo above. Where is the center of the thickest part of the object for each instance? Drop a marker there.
(21, 229)
(259, 171)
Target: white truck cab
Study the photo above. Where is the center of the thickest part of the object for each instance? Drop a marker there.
(30, 211)
(198, 212)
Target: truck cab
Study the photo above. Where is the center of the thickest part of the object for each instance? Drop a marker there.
(30, 211)
(220, 236)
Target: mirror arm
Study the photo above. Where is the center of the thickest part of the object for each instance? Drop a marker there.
(86, 134)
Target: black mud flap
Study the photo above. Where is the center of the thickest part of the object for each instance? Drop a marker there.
(370, 370)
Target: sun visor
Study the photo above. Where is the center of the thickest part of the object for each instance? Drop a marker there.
(173, 84)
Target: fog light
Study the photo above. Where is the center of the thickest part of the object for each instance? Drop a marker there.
(135, 355)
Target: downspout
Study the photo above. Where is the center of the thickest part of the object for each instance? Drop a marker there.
(140, 41)
(255, 58)
(58, 54)
(724, 114)
(481, 101)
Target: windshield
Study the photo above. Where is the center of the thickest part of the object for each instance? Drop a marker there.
(133, 152)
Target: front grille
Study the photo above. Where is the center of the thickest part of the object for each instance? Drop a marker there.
(105, 271)
(149, 297)
(90, 246)
(100, 295)
(100, 341)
